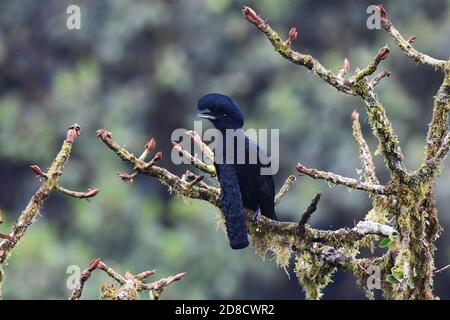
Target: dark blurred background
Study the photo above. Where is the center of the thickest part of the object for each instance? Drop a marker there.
(138, 68)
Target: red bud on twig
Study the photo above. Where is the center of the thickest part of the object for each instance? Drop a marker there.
(412, 39)
(93, 264)
(302, 170)
(91, 193)
(102, 266)
(73, 132)
(292, 35)
(125, 177)
(382, 54)
(383, 13)
(37, 171)
(177, 147)
(355, 115)
(345, 68)
(179, 276)
(346, 65)
(252, 16)
(158, 156)
(150, 144)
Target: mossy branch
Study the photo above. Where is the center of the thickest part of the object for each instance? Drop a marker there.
(267, 235)
(406, 45)
(340, 180)
(130, 285)
(368, 167)
(50, 182)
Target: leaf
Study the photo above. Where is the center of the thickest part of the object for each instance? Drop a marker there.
(391, 278)
(411, 283)
(385, 243)
(397, 274)
(392, 237)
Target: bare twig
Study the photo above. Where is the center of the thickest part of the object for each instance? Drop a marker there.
(158, 287)
(204, 148)
(164, 176)
(196, 162)
(309, 211)
(50, 182)
(442, 269)
(378, 77)
(90, 193)
(357, 85)
(130, 285)
(305, 60)
(406, 45)
(339, 180)
(372, 67)
(365, 155)
(284, 189)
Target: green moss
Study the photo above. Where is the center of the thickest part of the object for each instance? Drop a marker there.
(313, 274)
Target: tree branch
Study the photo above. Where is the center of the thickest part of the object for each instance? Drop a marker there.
(131, 284)
(90, 193)
(309, 211)
(164, 176)
(50, 181)
(196, 162)
(339, 180)
(356, 85)
(405, 45)
(284, 189)
(305, 60)
(439, 121)
(365, 155)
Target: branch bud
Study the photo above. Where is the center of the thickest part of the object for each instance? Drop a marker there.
(302, 170)
(382, 54)
(73, 132)
(158, 156)
(252, 16)
(412, 39)
(383, 13)
(93, 264)
(125, 177)
(177, 147)
(102, 266)
(37, 171)
(150, 145)
(355, 115)
(345, 68)
(292, 35)
(91, 193)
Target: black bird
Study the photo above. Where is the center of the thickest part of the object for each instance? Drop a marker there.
(241, 182)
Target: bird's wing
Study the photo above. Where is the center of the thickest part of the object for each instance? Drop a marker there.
(266, 197)
(266, 185)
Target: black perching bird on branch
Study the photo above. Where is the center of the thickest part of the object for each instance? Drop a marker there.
(241, 182)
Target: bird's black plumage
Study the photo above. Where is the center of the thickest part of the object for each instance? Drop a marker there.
(253, 190)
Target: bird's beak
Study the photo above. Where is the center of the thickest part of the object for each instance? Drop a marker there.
(206, 115)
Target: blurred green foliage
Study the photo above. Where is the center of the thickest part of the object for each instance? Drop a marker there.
(138, 68)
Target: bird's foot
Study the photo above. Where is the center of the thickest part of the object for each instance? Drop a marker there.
(257, 216)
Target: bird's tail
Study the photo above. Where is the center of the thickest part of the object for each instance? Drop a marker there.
(232, 206)
(237, 231)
